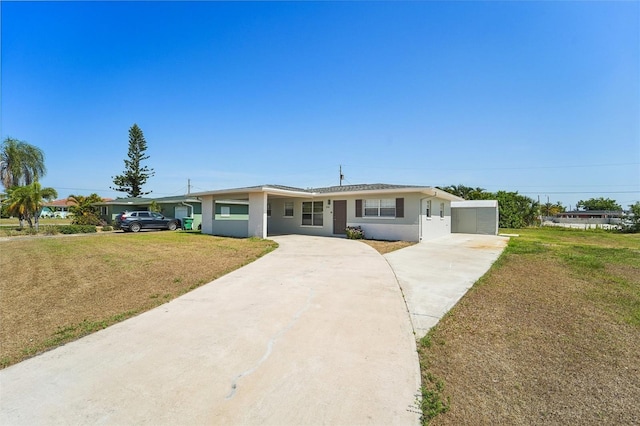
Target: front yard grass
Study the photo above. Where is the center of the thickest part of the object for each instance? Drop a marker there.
(550, 335)
(57, 289)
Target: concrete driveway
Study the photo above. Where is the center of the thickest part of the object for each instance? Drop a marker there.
(315, 332)
(435, 274)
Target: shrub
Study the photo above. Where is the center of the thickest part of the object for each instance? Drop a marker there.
(107, 228)
(77, 229)
(86, 219)
(355, 233)
(50, 230)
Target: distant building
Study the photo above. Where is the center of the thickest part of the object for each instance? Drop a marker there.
(588, 217)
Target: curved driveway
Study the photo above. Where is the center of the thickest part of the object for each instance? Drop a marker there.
(316, 332)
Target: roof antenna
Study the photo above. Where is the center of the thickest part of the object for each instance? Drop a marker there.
(341, 175)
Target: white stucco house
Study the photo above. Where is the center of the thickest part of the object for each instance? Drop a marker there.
(383, 211)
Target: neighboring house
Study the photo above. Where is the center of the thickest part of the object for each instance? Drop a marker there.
(475, 217)
(57, 208)
(385, 212)
(178, 207)
(590, 214)
(589, 217)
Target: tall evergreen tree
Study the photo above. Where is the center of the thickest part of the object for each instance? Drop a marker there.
(135, 175)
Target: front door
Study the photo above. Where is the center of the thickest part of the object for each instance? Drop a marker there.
(339, 216)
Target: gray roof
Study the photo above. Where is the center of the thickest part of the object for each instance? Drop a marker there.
(353, 189)
(360, 187)
(141, 201)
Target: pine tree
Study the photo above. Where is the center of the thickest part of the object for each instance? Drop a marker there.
(135, 175)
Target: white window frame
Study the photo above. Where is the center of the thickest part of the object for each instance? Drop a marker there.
(442, 210)
(372, 208)
(315, 213)
(290, 204)
(225, 211)
(428, 209)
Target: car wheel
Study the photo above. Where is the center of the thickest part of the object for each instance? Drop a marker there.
(172, 226)
(135, 227)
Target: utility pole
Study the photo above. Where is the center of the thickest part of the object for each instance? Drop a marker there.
(341, 175)
(188, 186)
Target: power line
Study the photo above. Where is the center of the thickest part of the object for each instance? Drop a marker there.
(572, 166)
(581, 192)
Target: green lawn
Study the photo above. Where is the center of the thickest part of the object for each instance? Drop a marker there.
(550, 335)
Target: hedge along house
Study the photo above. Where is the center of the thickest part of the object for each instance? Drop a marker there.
(178, 207)
(385, 212)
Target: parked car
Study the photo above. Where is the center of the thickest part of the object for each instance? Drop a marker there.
(135, 221)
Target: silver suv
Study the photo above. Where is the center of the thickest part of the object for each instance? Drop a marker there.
(135, 221)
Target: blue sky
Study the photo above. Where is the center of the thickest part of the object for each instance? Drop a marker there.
(537, 97)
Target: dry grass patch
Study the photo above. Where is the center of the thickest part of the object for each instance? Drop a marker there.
(551, 335)
(385, 247)
(60, 288)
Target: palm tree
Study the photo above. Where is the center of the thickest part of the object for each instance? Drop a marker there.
(84, 212)
(26, 202)
(20, 163)
(466, 192)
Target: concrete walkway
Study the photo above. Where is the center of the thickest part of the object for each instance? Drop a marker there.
(435, 274)
(315, 332)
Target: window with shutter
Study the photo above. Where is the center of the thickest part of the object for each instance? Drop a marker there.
(358, 208)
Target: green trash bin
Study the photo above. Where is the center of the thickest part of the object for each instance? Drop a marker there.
(187, 223)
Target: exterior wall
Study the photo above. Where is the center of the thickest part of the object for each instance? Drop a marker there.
(405, 228)
(434, 226)
(229, 220)
(258, 217)
(277, 223)
(207, 215)
(590, 220)
(231, 228)
(414, 226)
(474, 220)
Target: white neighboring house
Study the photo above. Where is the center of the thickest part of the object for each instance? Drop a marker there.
(383, 211)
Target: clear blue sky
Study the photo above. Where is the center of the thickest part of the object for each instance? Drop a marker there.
(537, 97)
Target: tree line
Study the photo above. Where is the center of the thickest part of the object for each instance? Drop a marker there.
(519, 211)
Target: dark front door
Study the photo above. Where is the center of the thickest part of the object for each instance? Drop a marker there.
(339, 216)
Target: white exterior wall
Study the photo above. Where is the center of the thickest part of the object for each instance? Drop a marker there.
(258, 215)
(434, 226)
(208, 214)
(279, 224)
(414, 226)
(407, 228)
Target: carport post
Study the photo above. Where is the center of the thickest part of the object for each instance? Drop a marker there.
(258, 214)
